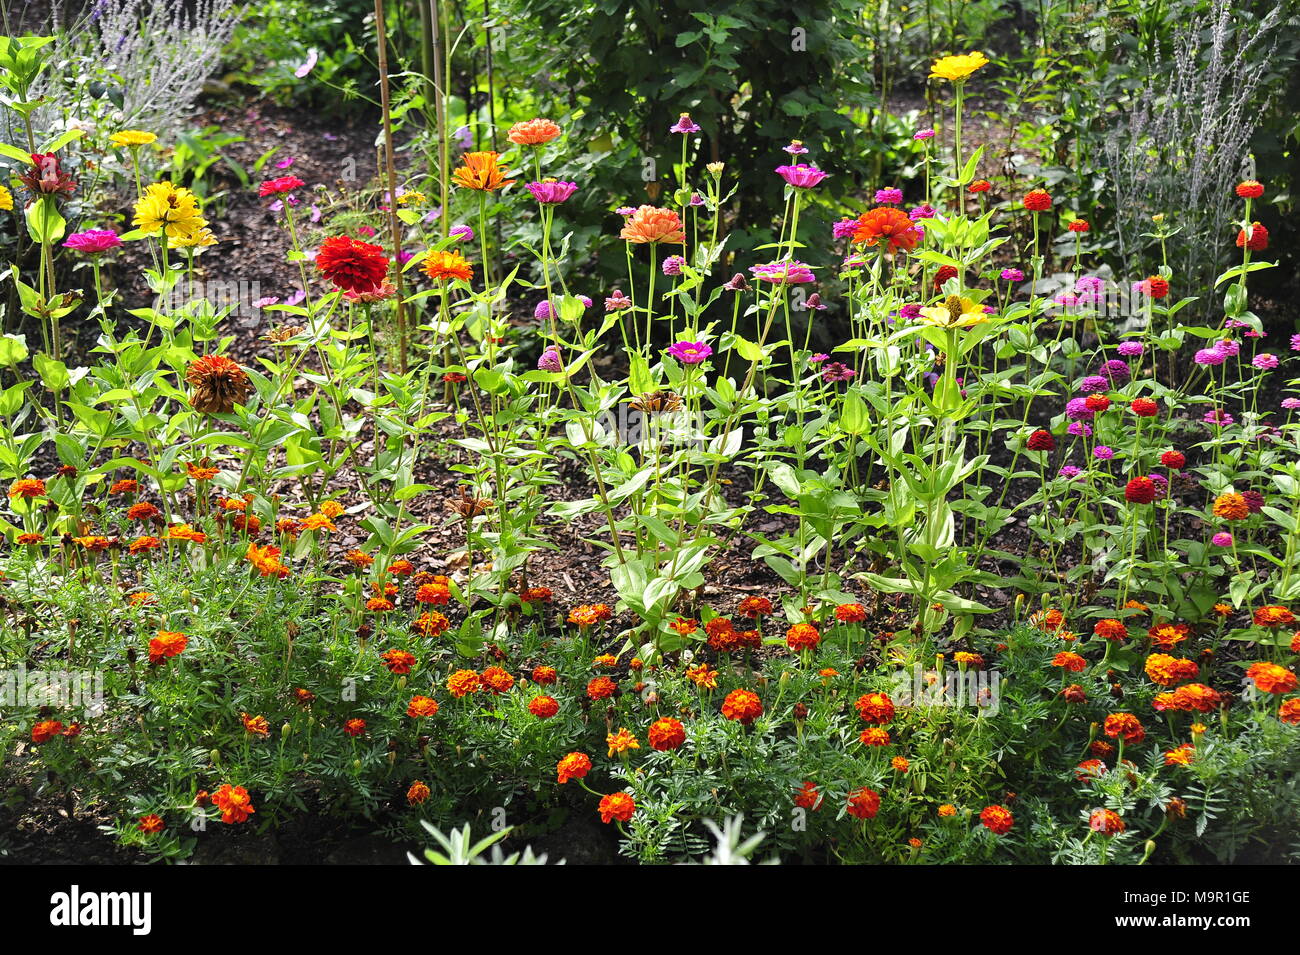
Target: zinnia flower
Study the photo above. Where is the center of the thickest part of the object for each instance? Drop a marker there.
(533, 132)
(93, 241)
(441, 266)
(482, 172)
(954, 312)
(652, 224)
(551, 192)
(885, 223)
(958, 68)
(690, 353)
(352, 265)
(219, 384)
(801, 175)
(171, 210)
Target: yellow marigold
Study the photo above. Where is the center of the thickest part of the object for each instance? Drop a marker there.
(947, 810)
(621, 742)
(958, 68)
(332, 509)
(1231, 506)
(132, 138)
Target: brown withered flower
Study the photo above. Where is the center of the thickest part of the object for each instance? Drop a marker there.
(468, 507)
(218, 384)
(282, 333)
(657, 402)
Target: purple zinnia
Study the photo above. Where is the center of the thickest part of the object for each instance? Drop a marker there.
(1221, 539)
(1115, 370)
(837, 371)
(924, 211)
(1093, 383)
(888, 197)
(551, 192)
(93, 241)
(462, 232)
(1130, 349)
(1013, 275)
(684, 125)
(1069, 472)
(1103, 453)
(923, 134)
(789, 272)
(550, 360)
(673, 265)
(801, 175)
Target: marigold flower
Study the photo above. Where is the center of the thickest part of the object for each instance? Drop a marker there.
(900, 764)
(1271, 678)
(463, 682)
(808, 797)
(533, 132)
(543, 707)
(947, 810)
(1106, 821)
(1126, 725)
(997, 819)
(1166, 670)
(255, 725)
(875, 708)
(183, 532)
(1070, 661)
(618, 806)
(440, 266)
(1273, 616)
(863, 803)
(234, 802)
(167, 644)
(430, 624)
(702, 676)
(152, 824)
(573, 766)
(874, 736)
(417, 794)
(743, 706)
(497, 680)
(651, 224)
(46, 730)
(1168, 635)
(601, 688)
(621, 742)
(266, 560)
(1289, 711)
(802, 636)
(421, 706)
(28, 539)
(666, 734)
(482, 171)
(1110, 629)
(1197, 697)
(588, 615)
(751, 607)
(544, 675)
(398, 662)
(126, 486)
(354, 727)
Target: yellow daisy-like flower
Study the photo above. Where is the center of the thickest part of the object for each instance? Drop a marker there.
(132, 138)
(411, 197)
(200, 238)
(954, 312)
(6, 199)
(958, 69)
(168, 208)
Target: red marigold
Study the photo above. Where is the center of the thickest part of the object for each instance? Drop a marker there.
(399, 662)
(997, 819)
(544, 675)
(351, 264)
(151, 824)
(543, 707)
(418, 793)
(601, 688)
(46, 730)
(863, 803)
(887, 224)
(1106, 821)
(355, 726)
(573, 766)
(1126, 725)
(875, 708)
(666, 733)
(234, 802)
(1070, 661)
(743, 706)
(808, 797)
(874, 736)
(1110, 629)
(1289, 711)
(754, 607)
(618, 806)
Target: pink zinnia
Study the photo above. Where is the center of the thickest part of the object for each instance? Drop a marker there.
(690, 353)
(549, 192)
(790, 272)
(93, 241)
(801, 175)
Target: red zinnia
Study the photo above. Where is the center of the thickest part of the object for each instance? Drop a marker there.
(1157, 286)
(1140, 490)
(351, 264)
(887, 224)
(1144, 407)
(1258, 240)
(1174, 460)
(280, 186)
(1250, 189)
(1039, 200)
(1041, 440)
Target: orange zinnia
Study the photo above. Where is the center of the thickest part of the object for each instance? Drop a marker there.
(651, 224)
(890, 225)
(440, 266)
(534, 132)
(482, 171)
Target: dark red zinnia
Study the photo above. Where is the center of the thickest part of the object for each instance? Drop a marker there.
(1174, 460)
(1140, 490)
(351, 264)
(1041, 440)
(1144, 407)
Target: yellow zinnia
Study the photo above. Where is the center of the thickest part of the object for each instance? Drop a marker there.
(132, 138)
(200, 238)
(954, 312)
(173, 209)
(6, 199)
(958, 68)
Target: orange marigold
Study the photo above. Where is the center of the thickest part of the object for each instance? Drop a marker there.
(1271, 678)
(997, 819)
(743, 706)
(234, 802)
(417, 794)
(666, 733)
(421, 706)
(573, 766)
(1274, 616)
(618, 806)
(463, 682)
(863, 803)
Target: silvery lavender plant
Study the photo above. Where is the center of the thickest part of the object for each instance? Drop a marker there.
(1184, 142)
